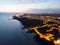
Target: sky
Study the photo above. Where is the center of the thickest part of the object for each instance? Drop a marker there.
(22, 5)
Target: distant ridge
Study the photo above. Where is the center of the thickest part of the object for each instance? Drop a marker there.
(38, 11)
(53, 11)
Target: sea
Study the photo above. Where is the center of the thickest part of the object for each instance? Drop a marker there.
(11, 32)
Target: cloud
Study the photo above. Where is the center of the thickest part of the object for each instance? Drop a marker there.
(16, 5)
(32, 1)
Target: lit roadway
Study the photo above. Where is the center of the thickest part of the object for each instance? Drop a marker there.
(48, 36)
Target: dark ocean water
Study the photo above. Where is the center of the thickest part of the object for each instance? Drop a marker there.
(11, 32)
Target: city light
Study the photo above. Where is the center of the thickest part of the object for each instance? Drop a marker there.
(57, 42)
